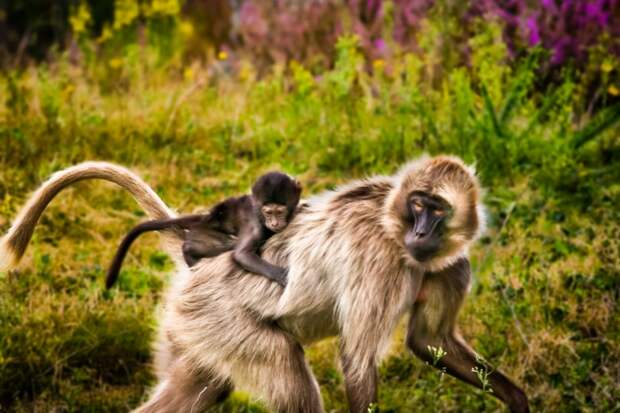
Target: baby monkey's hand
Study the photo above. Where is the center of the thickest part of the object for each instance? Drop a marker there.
(281, 276)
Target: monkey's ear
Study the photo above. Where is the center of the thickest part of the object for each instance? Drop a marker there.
(297, 185)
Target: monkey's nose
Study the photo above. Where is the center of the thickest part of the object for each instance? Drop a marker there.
(276, 226)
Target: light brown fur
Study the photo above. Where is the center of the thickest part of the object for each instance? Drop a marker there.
(349, 275)
(14, 243)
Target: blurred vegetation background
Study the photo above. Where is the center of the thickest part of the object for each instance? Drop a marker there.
(202, 96)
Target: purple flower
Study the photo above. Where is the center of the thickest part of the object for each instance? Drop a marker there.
(379, 45)
(534, 34)
(283, 29)
(560, 49)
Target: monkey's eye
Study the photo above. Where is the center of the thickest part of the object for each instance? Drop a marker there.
(440, 213)
(418, 205)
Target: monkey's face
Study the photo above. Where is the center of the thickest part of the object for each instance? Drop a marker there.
(275, 216)
(427, 214)
(434, 211)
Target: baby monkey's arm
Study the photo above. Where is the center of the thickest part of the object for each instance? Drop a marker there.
(246, 255)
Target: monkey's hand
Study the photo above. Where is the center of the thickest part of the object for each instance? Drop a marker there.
(281, 276)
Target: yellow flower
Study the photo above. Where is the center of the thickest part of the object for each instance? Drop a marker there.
(606, 67)
(186, 28)
(613, 90)
(164, 7)
(115, 62)
(246, 72)
(125, 13)
(378, 64)
(188, 73)
(106, 34)
(222, 55)
(80, 18)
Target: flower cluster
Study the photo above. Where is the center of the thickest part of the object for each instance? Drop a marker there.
(284, 30)
(567, 28)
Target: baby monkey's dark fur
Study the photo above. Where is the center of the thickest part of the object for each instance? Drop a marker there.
(252, 218)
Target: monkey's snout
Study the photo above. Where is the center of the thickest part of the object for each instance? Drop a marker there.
(422, 255)
(422, 248)
(276, 226)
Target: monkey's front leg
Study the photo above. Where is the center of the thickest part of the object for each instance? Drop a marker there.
(253, 263)
(433, 326)
(361, 391)
(246, 256)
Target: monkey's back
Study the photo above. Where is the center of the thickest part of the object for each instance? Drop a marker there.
(335, 230)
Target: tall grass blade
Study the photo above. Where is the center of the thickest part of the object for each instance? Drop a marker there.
(491, 112)
(605, 120)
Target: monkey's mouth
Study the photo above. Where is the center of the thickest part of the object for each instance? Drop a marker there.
(423, 254)
(422, 248)
(275, 228)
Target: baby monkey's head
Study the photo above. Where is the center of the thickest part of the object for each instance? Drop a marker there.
(276, 196)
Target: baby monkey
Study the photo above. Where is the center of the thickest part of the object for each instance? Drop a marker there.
(251, 218)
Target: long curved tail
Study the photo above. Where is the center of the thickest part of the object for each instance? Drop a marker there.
(154, 225)
(14, 243)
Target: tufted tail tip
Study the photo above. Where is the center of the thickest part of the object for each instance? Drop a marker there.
(8, 255)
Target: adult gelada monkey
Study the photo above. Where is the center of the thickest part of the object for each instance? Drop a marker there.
(359, 259)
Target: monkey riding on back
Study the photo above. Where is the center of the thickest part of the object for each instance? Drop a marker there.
(252, 219)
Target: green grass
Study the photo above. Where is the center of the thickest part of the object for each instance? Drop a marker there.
(543, 306)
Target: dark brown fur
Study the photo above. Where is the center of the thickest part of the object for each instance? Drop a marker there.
(239, 223)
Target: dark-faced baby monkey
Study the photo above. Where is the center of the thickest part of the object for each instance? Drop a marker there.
(251, 218)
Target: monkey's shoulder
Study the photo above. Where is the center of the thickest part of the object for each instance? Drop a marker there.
(231, 206)
(375, 189)
(228, 215)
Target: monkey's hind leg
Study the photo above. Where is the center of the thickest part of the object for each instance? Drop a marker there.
(277, 371)
(184, 390)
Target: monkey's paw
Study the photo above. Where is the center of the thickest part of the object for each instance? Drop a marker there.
(281, 277)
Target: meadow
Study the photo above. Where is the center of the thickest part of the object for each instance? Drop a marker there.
(544, 302)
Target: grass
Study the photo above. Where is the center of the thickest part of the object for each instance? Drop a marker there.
(543, 306)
